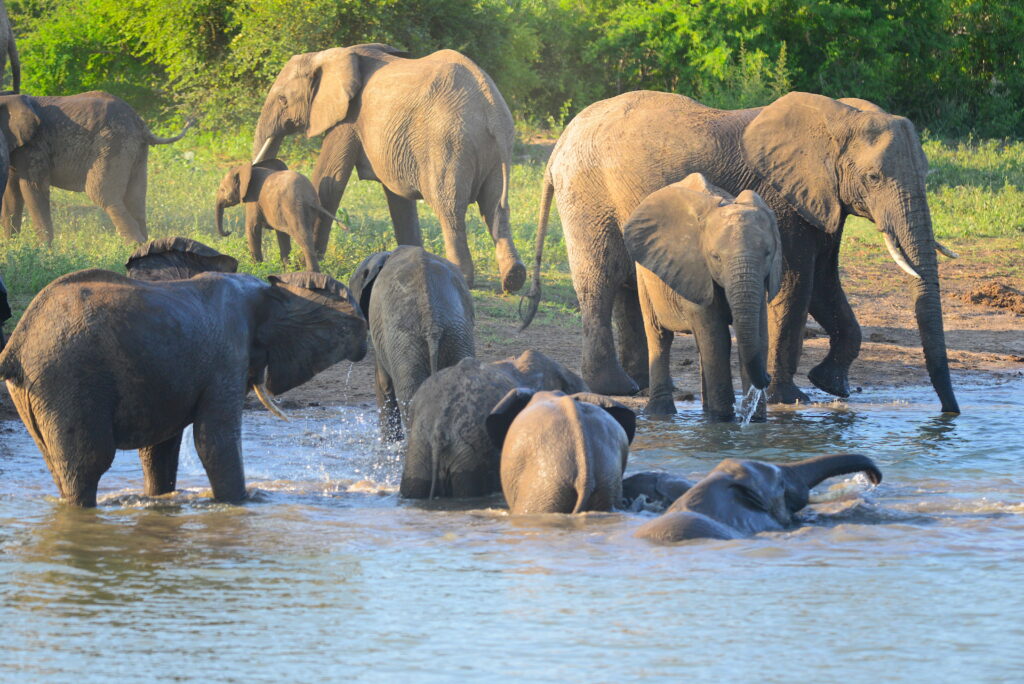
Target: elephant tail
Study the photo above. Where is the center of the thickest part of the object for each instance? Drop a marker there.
(532, 298)
(10, 368)
(157, 140)
(331, 216)
(585, 483)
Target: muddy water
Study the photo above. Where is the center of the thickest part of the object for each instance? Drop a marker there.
(327, 575)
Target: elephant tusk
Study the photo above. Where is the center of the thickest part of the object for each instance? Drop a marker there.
(900, 260)
(267, 399)
(263, 151)
(943, 249)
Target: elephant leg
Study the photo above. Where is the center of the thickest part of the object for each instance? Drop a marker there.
(330, 177)
(405, 219)
(711, 333)
(77, 461)
(629, 325)
(160, 466)
(14, 204)
(832, 311)
(304, 237)
(787, 314)
(496, 215)
(135, 197)
(659, 342)
(37, 201)
(254, 231)
(217, 432)
(126, 225)
(387, 406)
(284, 245)
(453, 227)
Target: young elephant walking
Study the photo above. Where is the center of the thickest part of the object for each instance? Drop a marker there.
(704, 260)
(561, 453)
(421, 320)
(276, 198)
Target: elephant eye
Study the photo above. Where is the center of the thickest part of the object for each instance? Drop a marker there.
(874, 177)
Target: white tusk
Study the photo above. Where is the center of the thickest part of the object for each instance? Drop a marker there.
(263, 151)
(267, 399)
(943, 249)
(898, 258)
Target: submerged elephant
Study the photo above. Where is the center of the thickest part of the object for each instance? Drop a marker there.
(812, 159)
(742, 498)
(561, 453)
(91, 142)
(704, 260)
(176, 258)
(434, 128)
(275, 198)
(449, 453)
(101, 362)
(421, 320)
(659, 488)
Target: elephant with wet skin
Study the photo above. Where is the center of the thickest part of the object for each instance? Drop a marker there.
(434, 128)
(561, 453)
(812, 159)
(101, 362)
(449, 452)
(91, 142)
(274, 198)
(743, 498)
(176, 258)
(420, 315)
(704, 260)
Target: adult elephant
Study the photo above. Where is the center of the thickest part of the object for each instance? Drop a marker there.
(814, 160)
(434, 128)
(8, 49)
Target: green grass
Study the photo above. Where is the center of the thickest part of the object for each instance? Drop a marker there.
(976, 193)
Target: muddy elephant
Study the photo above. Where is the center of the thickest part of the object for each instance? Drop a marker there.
(101, 362)
(449, 453)
(561, 453)
(421, 320)
(742, 498)
(274, 198)
(704, 260)
(812, 159)
(91, 142)
(176, 258)
(434, 128)
(8, 49)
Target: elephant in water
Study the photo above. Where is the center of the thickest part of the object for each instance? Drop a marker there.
(449, 453)
(434, 128)
(421, 320)
(813, 160)
(561, 453)
(742, 498)
(101, 362)
(704, 260)
(176, 258)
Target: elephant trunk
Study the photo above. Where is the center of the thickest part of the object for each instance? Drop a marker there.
(746, 298)
(800, 477)
(220, 218)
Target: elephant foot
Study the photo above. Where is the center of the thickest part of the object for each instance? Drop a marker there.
(661, 406)
(514, 279)
(611, 380)
(830, 377)
(786, 393)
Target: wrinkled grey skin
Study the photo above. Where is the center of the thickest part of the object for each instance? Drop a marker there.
(8, 49)
(91, 142)
(5, 311)
(661, 489)
(704, 260)
(274, 198)
(449, 453)
(561, 453)
(421, 320)
(812, 159)
(101, 362)
(176, 258)
(742, 498)
(434, 128)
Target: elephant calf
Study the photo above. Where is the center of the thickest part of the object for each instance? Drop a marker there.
(449, 452)
(421, 320)
(704, 259)
(176, 258)
(561, 453)
(742, 498)
(277, 198)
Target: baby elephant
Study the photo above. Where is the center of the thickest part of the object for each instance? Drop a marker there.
(704, 260)
(741, 498)
(176, 258)
(561, 453)
(276, 198)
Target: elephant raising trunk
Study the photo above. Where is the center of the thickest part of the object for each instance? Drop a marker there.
(805, 475)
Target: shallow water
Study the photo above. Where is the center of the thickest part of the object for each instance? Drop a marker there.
(327, 575)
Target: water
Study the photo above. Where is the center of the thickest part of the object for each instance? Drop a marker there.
(753, 400)
(326, 575)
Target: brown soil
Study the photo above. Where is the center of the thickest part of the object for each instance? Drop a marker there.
(999, 296)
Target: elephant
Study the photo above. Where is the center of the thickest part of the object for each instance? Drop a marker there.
(91, 142)
(704, 260)
(277, 198)
(449, 453)
(9, 49)
(434, 128)
(176, 258)
(561, 453)
(742, 498)
(656, 487)
(5, 311)
(101, 362)
(420, 315)
(812, 159)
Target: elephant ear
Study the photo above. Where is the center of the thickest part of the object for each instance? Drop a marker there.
(664, 236)
(363, 278)
(176, 258)
(794, 144)
(337, 80)
(251, 178)
(273, 164)
(370, 48)
(774, 279)
(755, 484)
(307, 324)
(18, 120)
(624, 416)
(504, 413)
(699, 183)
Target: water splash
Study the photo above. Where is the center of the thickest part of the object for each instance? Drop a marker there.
(752, 400)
